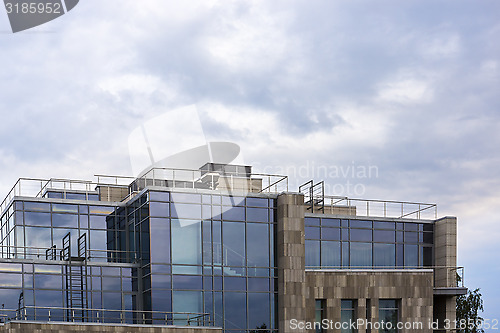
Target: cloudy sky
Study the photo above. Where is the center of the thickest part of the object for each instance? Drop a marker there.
(410, 88)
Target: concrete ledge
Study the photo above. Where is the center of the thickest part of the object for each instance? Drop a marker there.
(450, 291)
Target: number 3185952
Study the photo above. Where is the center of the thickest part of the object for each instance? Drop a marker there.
(33, 8)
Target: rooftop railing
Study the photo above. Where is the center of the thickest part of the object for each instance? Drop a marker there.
(454, 273)
(201, 179)
(376, 208)
(89, 315)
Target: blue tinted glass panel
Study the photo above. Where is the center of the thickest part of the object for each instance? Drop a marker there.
(411, 237)
(51, 298)
(207, 242)
(428, 238)
(427, 256)
(257, 215)
(185, 197)
(313, 221)
(98, 241)
(186, 211)
(411, 256)
(163, 269)
(234, 283)
(54, 195)
(258, 245)
(384, 255)
(160, 209)
(426, 227)
(361, 224)
(384, 235)
(399, 255)
(111, 283)
(159, 196)
(39, 219)
(178, 269)
(48, 281)
(330, 233)
(192, 282)
(235, 310)
(64, 208)
(399, 236)
(361, 235)
(161, 300)
(36, 206)
(186, 301)
(97, 222)
(65, 220)
(258, 284)
(330, 222)
(361, 255)
(232, 201)
(345, 254)
(11, 281)
(160, 240)
(312, 253)
(345, 234)
(411, 227)
(186, 242)
(234, 243)
(102, 210)
(384, 225)
(258, 310)
(206, 212)
(38, 237)
(312, 233)
(217, 242)
(257, 202)
(76, 196)
(216, 212)
(330, 254)
(234, 214)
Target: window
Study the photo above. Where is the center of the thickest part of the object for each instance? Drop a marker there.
(388, 312)
(320, 310)
(347, 315)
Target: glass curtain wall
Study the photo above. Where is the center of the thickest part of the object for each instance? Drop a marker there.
(210, 254)
(354, 243)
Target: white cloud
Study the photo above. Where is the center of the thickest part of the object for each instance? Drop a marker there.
(406, 91)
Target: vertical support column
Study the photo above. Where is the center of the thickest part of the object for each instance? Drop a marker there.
(445, 260)
(291, 261)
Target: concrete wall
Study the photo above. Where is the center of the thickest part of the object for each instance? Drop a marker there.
(413, 288)
(46, 327)
(291, 260)
(445, 260)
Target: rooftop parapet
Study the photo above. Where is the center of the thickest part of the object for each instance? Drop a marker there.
(229, 178)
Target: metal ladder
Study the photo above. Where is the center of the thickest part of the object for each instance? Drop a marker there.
(314, 195)
(76, 279)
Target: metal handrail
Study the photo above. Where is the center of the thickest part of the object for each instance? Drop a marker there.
(366, 207)
(27, 252)
(100, 315)
(460, 270)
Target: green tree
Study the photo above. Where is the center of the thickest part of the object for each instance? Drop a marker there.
(468, 307)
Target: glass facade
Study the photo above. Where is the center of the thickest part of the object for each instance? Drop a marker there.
(168, 252)
(354, 243)
(206, 253)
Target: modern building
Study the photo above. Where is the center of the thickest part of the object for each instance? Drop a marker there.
(220, 248)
